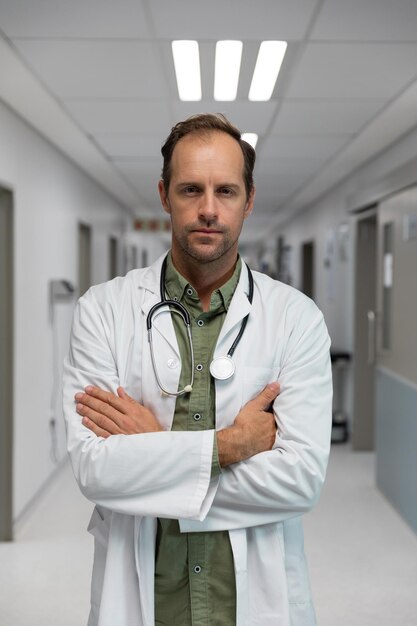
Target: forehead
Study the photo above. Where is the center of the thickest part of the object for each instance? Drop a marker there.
(210, 152)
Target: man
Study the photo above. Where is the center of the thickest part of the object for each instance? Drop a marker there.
(201, 445)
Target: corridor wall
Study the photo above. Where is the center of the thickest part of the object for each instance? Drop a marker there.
(51, 195)
(331, 222)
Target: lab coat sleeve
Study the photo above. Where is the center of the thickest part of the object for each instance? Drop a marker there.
(165, 474)
(286, 481)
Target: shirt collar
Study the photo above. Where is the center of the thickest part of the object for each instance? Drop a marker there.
(178, 288)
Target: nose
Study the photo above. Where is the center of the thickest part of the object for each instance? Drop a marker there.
(208, 207)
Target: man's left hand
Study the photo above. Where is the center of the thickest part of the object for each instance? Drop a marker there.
(107, 414)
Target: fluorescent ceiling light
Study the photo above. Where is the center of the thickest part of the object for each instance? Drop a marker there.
(187, 69)
(251, 138)
(268, 64)
(227, 68)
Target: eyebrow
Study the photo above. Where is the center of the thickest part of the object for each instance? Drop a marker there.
(190, 183)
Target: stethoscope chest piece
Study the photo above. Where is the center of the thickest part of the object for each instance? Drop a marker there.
(222, 368)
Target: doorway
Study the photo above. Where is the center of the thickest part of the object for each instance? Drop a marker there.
(113, 257)
(365, 332)
(307, 268)
(84, 258)
(6, 364)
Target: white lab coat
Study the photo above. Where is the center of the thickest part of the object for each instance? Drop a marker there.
(135, 479)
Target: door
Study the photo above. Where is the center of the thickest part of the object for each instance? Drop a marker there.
(6, 363)
(307, 269)
(365, 332)
(84, 258)
(113, 257)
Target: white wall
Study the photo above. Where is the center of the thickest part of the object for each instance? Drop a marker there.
(51, 195)
(149, 246)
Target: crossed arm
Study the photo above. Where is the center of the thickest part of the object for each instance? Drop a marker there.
(253, 430)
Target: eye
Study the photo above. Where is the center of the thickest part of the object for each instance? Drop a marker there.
(226, 191)
(190, 190)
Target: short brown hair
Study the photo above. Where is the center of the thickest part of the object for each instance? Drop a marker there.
(201, 124)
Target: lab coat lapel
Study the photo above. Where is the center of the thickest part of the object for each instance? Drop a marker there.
(162, 321)
(238, 309)
(166, 350)
(228, 392)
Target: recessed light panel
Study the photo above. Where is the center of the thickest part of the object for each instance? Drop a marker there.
(268, 65)
(187, 69)
(227, 68)
(251, 138)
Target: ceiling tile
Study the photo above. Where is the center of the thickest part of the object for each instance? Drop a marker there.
(121, 116)
(266, 200)
(304, 117)
(96, 69)
(367, 20)
(232, 19)
(78, 18)
(303, 146)
(130, 145)
(353, 70)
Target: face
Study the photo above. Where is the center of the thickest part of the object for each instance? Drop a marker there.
(206, 199)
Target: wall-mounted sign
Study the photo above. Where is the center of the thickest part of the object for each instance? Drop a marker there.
(152, 225)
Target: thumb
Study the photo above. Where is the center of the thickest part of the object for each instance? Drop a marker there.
(267, 395)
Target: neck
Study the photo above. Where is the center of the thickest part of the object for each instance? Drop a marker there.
(205, 277)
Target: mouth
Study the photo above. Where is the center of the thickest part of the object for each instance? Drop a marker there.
(207, 231)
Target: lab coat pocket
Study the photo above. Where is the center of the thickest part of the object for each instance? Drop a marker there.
(99, 525)
(255, 379)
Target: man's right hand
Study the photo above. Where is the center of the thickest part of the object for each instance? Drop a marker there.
(253, 430)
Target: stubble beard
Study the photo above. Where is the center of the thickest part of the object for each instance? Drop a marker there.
(205, 252)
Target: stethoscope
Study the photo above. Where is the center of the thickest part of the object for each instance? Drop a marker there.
(222, 367)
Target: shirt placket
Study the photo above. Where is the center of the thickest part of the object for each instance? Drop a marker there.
(198, 420)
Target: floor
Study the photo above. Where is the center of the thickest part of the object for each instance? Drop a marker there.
(362, 556)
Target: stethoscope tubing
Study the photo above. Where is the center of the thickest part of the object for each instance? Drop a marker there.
(176, 307)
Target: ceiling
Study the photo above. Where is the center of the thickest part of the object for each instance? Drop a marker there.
(96, 78)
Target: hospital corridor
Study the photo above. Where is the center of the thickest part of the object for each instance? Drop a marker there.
(199, 200)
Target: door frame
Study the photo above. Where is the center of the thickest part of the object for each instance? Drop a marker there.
(308, 253)
(6, 364)
(365, 320)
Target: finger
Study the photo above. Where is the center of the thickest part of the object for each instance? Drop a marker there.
(267, 395)
(85, 401)
(100, 432)
(99, 419)
(106, 396)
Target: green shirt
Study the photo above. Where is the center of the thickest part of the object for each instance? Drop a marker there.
(194, 572)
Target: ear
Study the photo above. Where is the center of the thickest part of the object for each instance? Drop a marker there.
(250, 202)
(164, 197)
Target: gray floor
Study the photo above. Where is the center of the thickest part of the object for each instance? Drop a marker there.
(363, 557)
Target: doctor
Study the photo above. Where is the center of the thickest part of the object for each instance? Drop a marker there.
(201, 436)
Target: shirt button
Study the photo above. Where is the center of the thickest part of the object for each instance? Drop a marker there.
(199, 367)
(190, 292)
(197, 416)
(200, 322)
(172, 363)
(197, 569)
